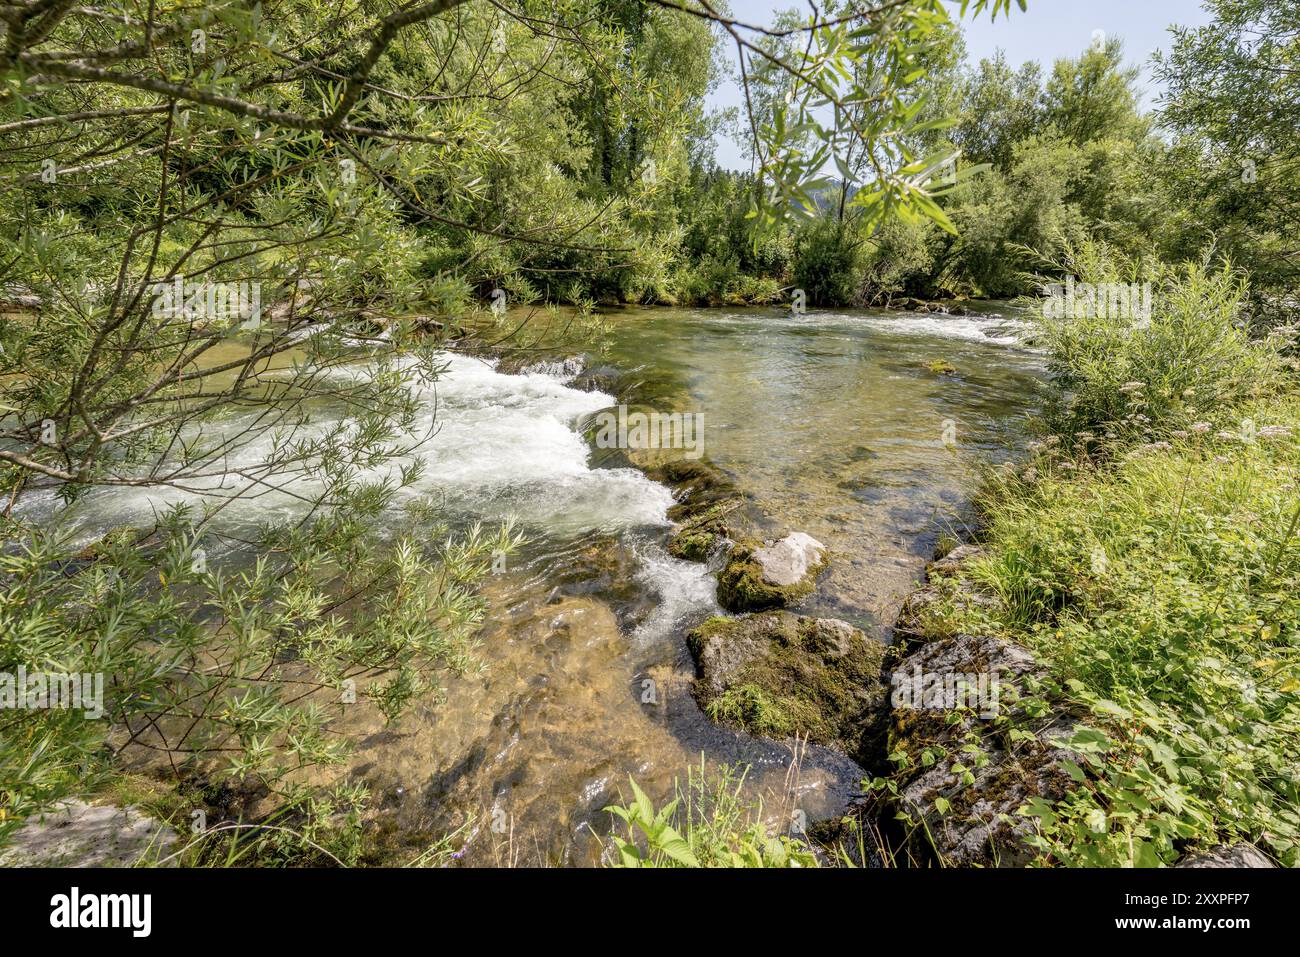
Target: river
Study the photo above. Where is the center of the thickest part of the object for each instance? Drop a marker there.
(838, 424)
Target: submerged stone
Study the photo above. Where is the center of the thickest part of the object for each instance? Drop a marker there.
(77, 834)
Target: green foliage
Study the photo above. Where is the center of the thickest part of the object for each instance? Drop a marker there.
(1231, 103)
(708, 824)
(898, 259)
(1070, 163)
(1092, 98)
(825, 263)
(235, 674)
(1162, 594)
(749, 706)
(1120, 379)
(561, 155)
(1000, 108)
(848, 90)
(319, 827)
(1148, 556)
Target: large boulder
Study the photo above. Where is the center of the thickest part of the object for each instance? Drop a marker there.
(779, 674)
(760, 575)
(962, 778)
(77, 834)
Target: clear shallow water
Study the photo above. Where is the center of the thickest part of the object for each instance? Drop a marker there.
(831, 421)
(836, 426)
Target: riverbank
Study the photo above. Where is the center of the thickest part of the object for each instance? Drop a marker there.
(783, 684)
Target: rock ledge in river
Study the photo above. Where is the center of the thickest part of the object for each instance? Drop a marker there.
(961, 777)
(707, 510)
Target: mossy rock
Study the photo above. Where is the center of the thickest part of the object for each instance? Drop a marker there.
(706, 524)
(694, 545)
(707, 505)
(762, 575)
(604, 378)
(957, 754)
(778, 674)
(941, 367)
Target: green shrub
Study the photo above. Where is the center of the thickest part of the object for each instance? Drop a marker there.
(825, 263)
(1141, 380)
(708, 824)
(233, 675)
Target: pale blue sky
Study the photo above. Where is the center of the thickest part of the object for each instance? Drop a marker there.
(1047, 31)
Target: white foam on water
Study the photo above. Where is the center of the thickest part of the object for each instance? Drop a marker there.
(990, 329)
(106, 507)
(507, 446)
(969, 328)
(504, 446)
(682, 589)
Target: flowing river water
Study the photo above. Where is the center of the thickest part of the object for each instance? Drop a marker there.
(834, 423)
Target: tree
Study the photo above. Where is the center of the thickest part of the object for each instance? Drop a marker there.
(1092, 98)
(1231, 101)
(999, 109)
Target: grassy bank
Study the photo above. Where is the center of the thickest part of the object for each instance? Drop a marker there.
(1148, 554)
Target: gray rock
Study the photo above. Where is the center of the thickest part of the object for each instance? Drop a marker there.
(20, 301)
(994, 663)
(954, 562)
(1227, 855)
(787, 562)
(980, 826)
(77, 834)
(981, 677)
